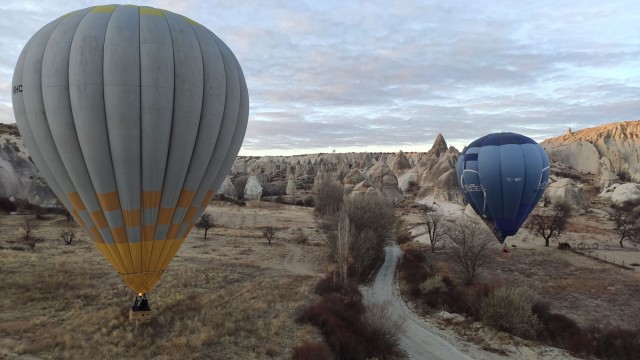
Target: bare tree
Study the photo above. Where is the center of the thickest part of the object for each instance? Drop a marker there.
(343, 244)
(625, 218)
(469, 246)
(370, 220)
(269, 233)
(205, 223)
(549, 224)
(28, 225)
(435, 223)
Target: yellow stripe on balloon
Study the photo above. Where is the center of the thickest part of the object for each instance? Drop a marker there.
(109, 201)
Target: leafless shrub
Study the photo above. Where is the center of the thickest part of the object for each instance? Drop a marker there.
(68, 235)
(509, 310)
(29, 225)
(469, 245)
(205, 223)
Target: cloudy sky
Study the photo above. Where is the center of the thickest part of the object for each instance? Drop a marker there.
(390, 75)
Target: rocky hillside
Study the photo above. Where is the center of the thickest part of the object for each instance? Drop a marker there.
(392, 175)
(611, 153)
(599, 159)
(18, 176)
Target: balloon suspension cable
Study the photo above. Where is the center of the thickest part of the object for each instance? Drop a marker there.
(141, 303)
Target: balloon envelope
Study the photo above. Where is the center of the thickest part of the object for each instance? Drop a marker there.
(503, 176)
(134, 116)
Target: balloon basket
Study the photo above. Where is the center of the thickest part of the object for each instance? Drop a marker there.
(140, 311)
(140, 316)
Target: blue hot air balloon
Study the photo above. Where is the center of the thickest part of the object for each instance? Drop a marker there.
(502, 176)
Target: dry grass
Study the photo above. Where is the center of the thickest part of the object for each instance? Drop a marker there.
(218, 299)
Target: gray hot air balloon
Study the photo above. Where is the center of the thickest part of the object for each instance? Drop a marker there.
(134, 116)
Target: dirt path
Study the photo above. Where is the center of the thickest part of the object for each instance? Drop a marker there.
(417, 337)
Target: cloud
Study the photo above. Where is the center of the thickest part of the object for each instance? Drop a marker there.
(352, 74)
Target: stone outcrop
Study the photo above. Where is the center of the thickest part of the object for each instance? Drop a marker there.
(447, 188)
(19, 177)
(566, 190)
(384, 180)
(253, 189)
(227, 188)
(291, 185)
(603, 150)
(620, 193)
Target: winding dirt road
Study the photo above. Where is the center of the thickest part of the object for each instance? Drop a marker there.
(416, 338)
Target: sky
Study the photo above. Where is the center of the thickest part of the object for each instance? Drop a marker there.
(383, 76)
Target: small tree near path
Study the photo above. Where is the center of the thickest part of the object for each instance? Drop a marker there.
(435, 224)
(269, 233)
(469, 245)
(205, 223)
(550, 224)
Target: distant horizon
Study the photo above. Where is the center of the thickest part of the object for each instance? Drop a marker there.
(389, 149)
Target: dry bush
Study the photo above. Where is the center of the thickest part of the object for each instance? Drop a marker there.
(312, 350)
(434, 283)
(299, 237)
(617, 343)
(329, 196)
(509, 310)
(412, 271)
(342, 319)
(402, 231)
(385, 328)
(557, 329)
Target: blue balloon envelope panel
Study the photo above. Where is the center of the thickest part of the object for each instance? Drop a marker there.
(503, 176)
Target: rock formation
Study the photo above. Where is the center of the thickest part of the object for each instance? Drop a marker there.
(435, 163)
(620, 193)
(19, 177)
(400, 163)
(227, 188)
(566, 190)
(602, 150)
(253, 189)
(384, 180)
